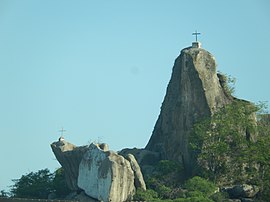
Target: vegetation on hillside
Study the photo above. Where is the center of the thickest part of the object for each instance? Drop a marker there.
(233, 148)
(166, 184)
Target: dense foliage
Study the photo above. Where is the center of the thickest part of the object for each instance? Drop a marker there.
(195, 189)
(232, 147)
(221, 144)
(166, 184)
(4, 194)
(259, 155)
(40, 184)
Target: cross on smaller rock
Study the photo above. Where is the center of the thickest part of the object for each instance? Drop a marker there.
(61, 138)
(196, 35)
(62, 131)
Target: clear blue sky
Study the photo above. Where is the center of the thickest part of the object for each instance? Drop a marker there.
(100, 68)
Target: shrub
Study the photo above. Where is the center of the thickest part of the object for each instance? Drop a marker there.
(148, 195)
(166, 167)
(198, 185)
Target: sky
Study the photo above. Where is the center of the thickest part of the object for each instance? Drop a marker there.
(100, 69)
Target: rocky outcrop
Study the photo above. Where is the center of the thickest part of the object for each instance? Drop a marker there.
(146, 159)
(194, 92)
(138, 177)
(102, 174)
(69, 156)
(106, 176)
(241, 191)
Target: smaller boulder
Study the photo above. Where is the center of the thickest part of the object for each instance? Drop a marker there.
(247, 200)
(146, 159)
(138, 181)
(242, 191)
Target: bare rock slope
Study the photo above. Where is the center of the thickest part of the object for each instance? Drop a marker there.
(194, 92)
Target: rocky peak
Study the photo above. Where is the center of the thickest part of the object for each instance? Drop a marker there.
(194, 92)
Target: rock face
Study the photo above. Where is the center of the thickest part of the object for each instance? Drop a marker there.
(106, 176)
(101, 174)
(69, 156)
(138, 180)
(146, 159)
(194, 92)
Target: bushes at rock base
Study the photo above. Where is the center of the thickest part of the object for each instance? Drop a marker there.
(148, 195)
(200, 185)
(152, 196)
(197, 189)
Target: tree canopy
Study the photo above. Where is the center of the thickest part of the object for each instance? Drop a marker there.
(40, 184)
(233, 146)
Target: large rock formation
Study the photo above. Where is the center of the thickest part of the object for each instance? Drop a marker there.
(101, 174)
(69, 156)
(194, 92)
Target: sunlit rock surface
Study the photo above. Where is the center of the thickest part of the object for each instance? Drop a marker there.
(194, 92)
(102, 174)
(69, 156)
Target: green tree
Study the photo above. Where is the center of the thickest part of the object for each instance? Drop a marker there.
(231, 147)
(259, 157)
(198, 186)
(59, 184)
(221, 143)
(33, 185)
(165, 179)
(148, 195)
(3, 193)
(40, 184)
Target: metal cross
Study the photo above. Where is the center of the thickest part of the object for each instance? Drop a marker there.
(62, 131)
(196, 34)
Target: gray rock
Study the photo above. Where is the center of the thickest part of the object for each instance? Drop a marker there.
(82, 197)
(105, 175)
(145, 158)
(241, 191)
(249, 191)
(247, 200)
(194, 92)
(52, 196)
(69, 156)
(138, 177)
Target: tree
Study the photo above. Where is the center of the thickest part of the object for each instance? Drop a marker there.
(221, 143)
(259, 157)
(200, 185)
(33, 185)
(3, 193)
(148, 195)
(40, 184)
(232, 147)
(59, 184)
